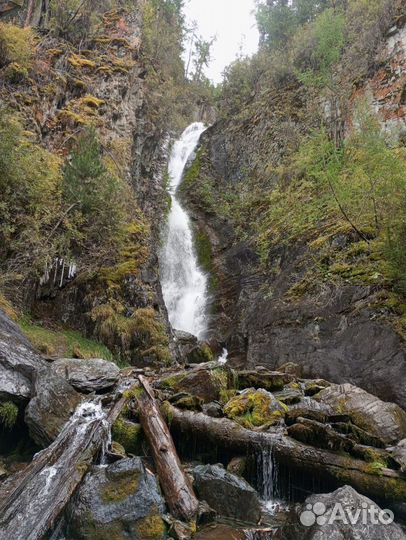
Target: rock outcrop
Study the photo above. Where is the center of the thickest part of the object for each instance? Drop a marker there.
(92, 375)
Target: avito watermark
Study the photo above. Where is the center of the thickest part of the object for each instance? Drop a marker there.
(367, 515)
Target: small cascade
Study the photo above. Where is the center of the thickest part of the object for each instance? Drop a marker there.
(223, 358)
(267, 476)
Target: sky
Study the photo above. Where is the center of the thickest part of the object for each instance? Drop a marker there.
(232, 21)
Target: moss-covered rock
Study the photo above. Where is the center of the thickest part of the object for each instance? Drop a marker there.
(206, 383)
(119, 502)
(128, 434)
(268, 380)
(254, 408)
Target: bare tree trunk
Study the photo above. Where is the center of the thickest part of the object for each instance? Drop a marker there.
(30, 12)
(32, 500)
(175, 484)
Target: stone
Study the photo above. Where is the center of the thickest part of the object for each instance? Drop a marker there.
(53, 404)
(289, 395)
(319, 435)
(213, 409)
(268, 380)
(120, 501)
(254, 408)
(184, 400)
(327, 528)
(237, 465)
(191, 350)
(314, 386)
(205, 383)
(18, 362)
(291, 368)
(382, 419)
(228, 494)
(205, 514)
(398, 453)
(91, 375)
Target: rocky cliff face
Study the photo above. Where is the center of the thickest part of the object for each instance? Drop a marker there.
(341, 331)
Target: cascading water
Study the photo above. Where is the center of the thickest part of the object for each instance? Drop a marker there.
(184, 284)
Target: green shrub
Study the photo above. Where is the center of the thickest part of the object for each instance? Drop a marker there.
(17, 45)
(8, 414)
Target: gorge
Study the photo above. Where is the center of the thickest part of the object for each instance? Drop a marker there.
(202, 287)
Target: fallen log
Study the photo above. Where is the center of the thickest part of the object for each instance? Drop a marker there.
(176, 486)
(377, 482)
(31, 501)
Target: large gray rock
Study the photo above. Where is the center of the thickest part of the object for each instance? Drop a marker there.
(51, 407)
(229, 495)
(122, 501)
(92, 375)
(191, 350)
(382, 419)
(320, 518)
(18, 362)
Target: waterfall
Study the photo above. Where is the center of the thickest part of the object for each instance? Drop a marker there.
(267, 475)
(184, 284)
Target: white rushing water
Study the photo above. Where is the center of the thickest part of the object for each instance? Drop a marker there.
(184, 284)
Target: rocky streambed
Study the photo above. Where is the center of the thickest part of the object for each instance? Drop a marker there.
(261, 454)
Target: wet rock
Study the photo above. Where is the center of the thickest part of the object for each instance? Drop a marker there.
(254, 408)
(382, 419)
(327, 517)
(51, 407)
(213, 409)
(191, 350)
(302, 412)
(268, 380)
(228, 494)
(128, 434)
(357, 434)
(120, 501)
(92, 375)
(18, 362)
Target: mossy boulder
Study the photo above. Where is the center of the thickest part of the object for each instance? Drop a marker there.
(128, 434)
(382, 419)
(255, 408)
(119, 502)
(184, 400)
(263, 378)
(206, 383)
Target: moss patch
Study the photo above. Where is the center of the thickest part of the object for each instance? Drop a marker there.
(8, 414)
(128, 434)
(255, 408)
(121, 488)
(151, 527)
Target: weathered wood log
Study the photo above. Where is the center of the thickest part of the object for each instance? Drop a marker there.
(175, 484)
(32, 500)
(379, 483)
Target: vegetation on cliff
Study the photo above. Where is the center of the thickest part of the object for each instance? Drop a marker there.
(318, 169)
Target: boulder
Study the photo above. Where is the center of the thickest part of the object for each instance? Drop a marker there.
(122, 501)
(51, 407)
(328, 516)
(228, 494)
(92, 375)
(203, 382)
(18, 362)
(263, 378)
(319, 435)
(398, 453)
(382, 419)
(291, 368)
(184, 400)
(213, 409)
(191, 350)
(238, 465)
(289, 395)
(254, 408)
